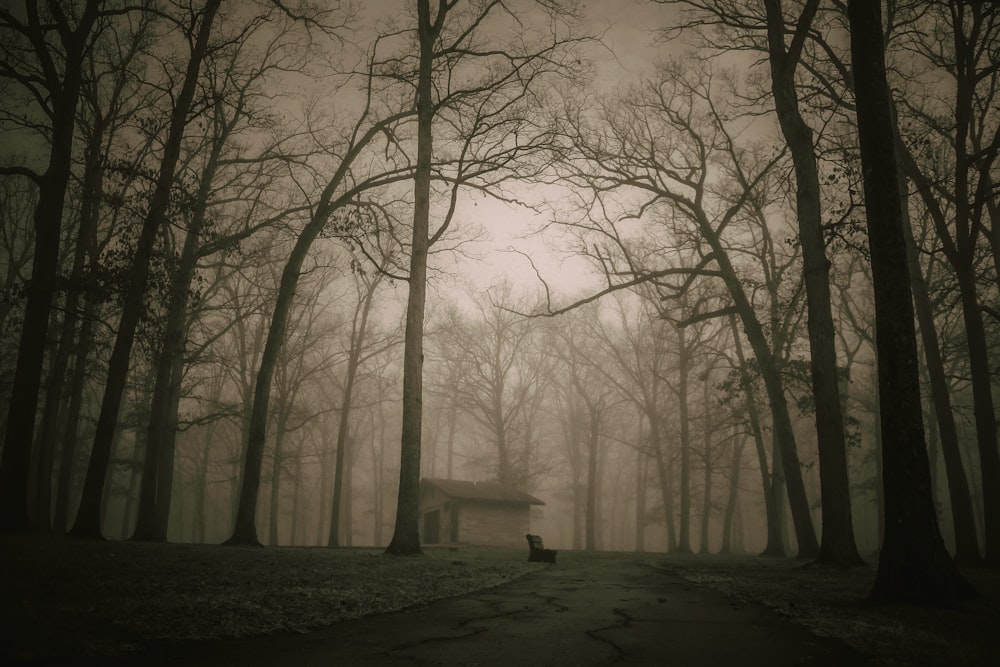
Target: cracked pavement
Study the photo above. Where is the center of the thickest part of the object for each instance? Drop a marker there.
(611, 609)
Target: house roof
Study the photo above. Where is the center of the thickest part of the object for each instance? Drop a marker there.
(490, 492)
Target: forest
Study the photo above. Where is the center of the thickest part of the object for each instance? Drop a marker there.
(706, 276)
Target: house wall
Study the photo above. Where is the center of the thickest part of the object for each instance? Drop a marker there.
(495, 525)
(491, 524)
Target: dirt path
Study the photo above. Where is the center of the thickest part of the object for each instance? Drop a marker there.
(583, 611)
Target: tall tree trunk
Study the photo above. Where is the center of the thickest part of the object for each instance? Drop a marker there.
(406, 534)
(278, 460)
(592, 480)
(776, 524)
(683, 371)
(770, 475)
(349, 495)
(71, 430)
(55, 393)
(154, 506)
(913, 565)
(245, 525)
(358, 332)
(982, 406)
(706, 508)
(805, 534)
(963, 517)
(641, 461)
(959, 233)
(452, 424)
(64, 95)
(838, 545)
(734, 490)
(133, 484)
(88, 521)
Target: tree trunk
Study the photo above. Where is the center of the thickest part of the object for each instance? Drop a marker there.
(78, 378)
(452, 424)
(358, 333)
(683, 370)
(278, 460)
(15, 463)
(776, 533)
(784, 436)
(641, 461)
(963, 517)
(88, 523)
(734, 490)
(838, 545)
(154, 507)
(592, 480)
(91, 190)
(406, 534)
(982, 406)
(706, 508)
(913, 565)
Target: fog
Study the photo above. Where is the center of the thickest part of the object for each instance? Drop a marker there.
(649, 301)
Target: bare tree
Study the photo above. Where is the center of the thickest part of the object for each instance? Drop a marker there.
(88, 520)
(503, 380)
(656, 146)
(952, 166)
(913, 565)
(360, 350)
(485, 99)
(43, 52)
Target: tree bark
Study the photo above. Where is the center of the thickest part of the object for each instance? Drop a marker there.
(406, 534)
(913, 565)
(641, 460)
(740, 442)
(963, 516)
(683, 370)
(593, 437)
(838, 545)
(706, 507)
(78, 378)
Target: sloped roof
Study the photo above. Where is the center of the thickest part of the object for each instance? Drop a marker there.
(490, 492)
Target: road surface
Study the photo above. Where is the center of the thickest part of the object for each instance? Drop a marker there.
(582, 611)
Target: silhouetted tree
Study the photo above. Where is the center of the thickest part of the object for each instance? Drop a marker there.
(913, 564)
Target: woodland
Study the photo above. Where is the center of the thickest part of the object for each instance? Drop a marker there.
(239, 244)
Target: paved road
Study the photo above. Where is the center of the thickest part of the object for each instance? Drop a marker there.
(579, 612)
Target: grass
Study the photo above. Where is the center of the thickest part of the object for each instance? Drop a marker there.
(831, 602)
(65, 598)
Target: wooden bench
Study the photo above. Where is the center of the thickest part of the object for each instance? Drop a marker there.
(537, 553)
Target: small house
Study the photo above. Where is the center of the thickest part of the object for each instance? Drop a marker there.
(457, 511)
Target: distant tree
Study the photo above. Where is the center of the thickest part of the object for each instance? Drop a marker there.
(366, 283)
(913, 564)
(579, 355)
(638, 350)
(632, 147)
(504, 377)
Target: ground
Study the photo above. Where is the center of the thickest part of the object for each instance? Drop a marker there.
(65, 598)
